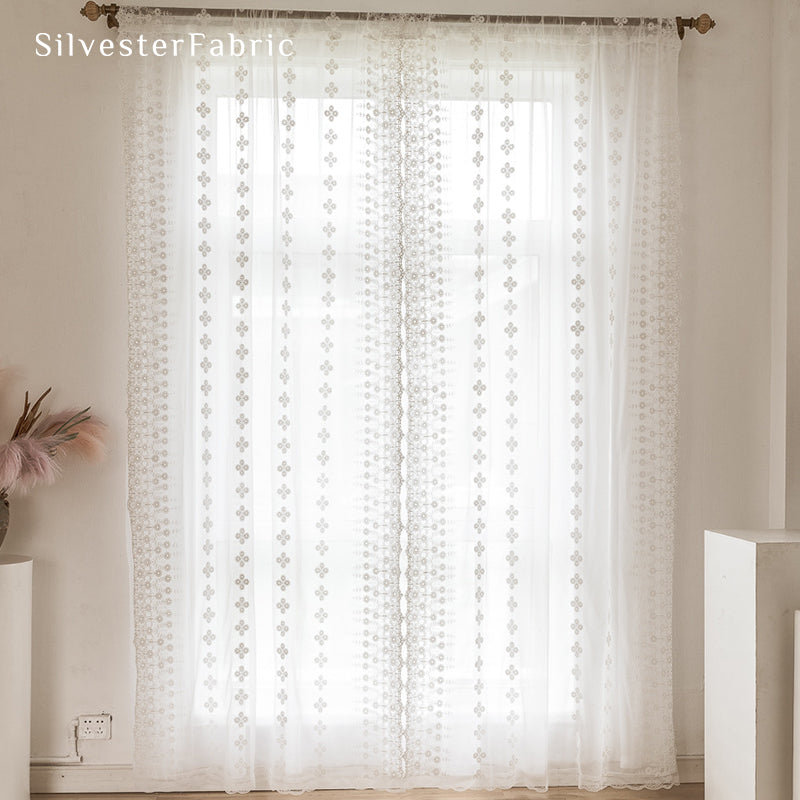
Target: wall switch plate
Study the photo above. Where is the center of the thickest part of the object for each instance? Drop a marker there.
(94, 726)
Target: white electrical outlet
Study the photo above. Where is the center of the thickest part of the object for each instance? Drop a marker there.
(94, 726)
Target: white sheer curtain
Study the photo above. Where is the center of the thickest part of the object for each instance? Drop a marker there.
(403, 343)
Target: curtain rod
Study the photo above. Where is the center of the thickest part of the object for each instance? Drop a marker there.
(93, 11)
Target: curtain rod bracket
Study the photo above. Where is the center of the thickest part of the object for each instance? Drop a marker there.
(92, 12)
(702, 24)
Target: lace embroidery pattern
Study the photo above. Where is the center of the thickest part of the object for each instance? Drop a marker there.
(153, 520)
(383, 526)
(426, 324)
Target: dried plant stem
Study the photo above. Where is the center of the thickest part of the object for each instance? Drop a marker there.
(30, 415)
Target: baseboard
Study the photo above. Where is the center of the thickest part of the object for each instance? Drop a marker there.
(119, 777)
(65, 778)
(691, 769)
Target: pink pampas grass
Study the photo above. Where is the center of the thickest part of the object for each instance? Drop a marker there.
(89, 432)
(31, 456)
(24, 462)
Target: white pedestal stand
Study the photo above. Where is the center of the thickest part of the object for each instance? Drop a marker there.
(16, 574)
(796, 763)
(752, 588)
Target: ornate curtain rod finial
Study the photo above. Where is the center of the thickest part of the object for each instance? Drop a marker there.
(93, 12)
(702, 24)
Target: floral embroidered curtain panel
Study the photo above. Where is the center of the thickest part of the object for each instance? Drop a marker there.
(403, 352)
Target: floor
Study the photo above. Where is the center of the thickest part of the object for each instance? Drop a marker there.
(689, 791)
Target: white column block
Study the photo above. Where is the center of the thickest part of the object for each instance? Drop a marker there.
(15, 676)
(752, 589)
(796, 737)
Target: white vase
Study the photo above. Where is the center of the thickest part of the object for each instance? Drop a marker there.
(16, 581)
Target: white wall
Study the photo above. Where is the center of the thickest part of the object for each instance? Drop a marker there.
(785, 455)
(62, 318)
